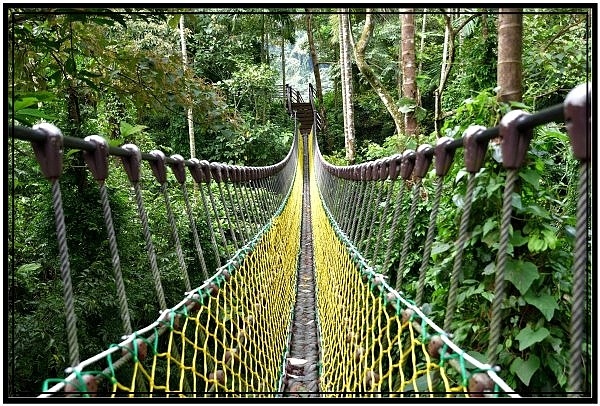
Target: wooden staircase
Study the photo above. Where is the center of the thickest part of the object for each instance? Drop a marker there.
(305, 116)
(304, 111)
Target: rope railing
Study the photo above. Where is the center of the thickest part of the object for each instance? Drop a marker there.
(353, 200)
(229, 333)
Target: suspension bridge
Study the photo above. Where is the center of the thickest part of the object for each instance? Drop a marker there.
(304, 300)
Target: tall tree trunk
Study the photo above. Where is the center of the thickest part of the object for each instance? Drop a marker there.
(367, 72)
(313, 55)
(190, 110)
(283, 68)
(421, 49)
(510, 43)
(409, 82)
(400, 69)
(447, 61)
(346, 63)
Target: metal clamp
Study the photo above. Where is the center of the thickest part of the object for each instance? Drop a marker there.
(49, 153)
(158, 167)
(443, 156)
(408, 163)
(515, 141)
(132, 162)
(577, 109)
(178, 168)
(423, 160)
(395, 164)
(474, 149)
(97, 160)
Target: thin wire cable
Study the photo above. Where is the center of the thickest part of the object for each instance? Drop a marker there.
(116, 262)
(578, 308)
(374, 217)
(499, 285)
(65, 273)
(462, 239)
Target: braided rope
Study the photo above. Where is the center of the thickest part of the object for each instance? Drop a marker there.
(247, 232)
(229, 223)
(496, 323)
(149, 246)
(382, 220)
(217, 217)
(197, 244)
(458, 257)
(235, 214)
(116, 263)
(408, 233)
(175, 234)
(366, 205)
(357, 210)
(213, 240)
(429, 239)
(374, 217)
(391, 234)
(578, 308)
(65, 273)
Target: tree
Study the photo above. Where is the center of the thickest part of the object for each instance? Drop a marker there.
(409, 79)
(346, 71)
(366, 70)
(510, 44)
(313, 55)
(190, 110)
(448, 57)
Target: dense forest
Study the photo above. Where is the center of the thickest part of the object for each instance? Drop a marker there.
(208, 83)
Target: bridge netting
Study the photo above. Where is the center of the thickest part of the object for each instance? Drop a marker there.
(230, 336)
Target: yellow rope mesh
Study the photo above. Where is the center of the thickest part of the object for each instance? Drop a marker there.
(366, 346)
(228, 339)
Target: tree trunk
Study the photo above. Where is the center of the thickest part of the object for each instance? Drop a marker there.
(346, 64)
(313, 56)
(190, 110)
(409, 80)
(283, 68)
(421, 48)
(447, 61)
(367, 72)
(510, 41)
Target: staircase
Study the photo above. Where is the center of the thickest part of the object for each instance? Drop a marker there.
(304, 114)
(304, 111)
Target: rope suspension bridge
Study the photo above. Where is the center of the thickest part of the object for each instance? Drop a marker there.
(304, 300)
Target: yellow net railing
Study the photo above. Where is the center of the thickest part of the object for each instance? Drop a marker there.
(373, 341)
(226, 338)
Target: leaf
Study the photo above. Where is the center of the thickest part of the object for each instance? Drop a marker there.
(517, 239)
(521, 274)
(35, 113)
(439, 247)
(71, 67)
(489, 225)
(546, 304)
(128, 129)
(516, 201)
(525, 369)
(532, 177)
(27, 268)
(527, 337)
